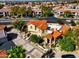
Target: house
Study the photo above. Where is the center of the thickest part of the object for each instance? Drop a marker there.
(37, 27)
(73, 8)
(47, 30)
(5, 11)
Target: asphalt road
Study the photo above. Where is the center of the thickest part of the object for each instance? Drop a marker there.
(50, 19)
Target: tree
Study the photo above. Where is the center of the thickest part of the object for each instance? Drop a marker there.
(14, 10)
(46, 11)
(19, 25)
(16, 52)
(22, 11)
(74, 34)
(29, 11)
(36, 39)
(67, 14)
(72, 23)
(61, 21)
(1, 6)
(66, 44)
(77, 23)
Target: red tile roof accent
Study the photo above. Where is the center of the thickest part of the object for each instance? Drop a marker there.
(41, 24)
(3, 54)
(54, 35)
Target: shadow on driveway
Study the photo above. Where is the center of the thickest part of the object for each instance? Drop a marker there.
(11, 36)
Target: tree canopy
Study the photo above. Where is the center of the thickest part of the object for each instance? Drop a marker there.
(66, 44)
(46, 11)
(67, 14)
(19, 24)
(16, 52)
(36, 39)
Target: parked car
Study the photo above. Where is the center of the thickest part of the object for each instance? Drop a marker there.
(68, 56)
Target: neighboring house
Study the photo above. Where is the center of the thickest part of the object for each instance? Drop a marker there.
(54, 33)
(73, 8)
(36, 10)
(5, 11)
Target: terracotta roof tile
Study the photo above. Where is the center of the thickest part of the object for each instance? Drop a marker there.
(49, 36)
(3, 54)
(42, 24)
(56, 34)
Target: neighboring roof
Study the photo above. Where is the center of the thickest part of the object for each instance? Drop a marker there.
(54, 35)
(75, 27)
(41, 24)
(64, 28)
(49, 36)
(71, 10)
(5, 9)
(3, 54)
(2, 26)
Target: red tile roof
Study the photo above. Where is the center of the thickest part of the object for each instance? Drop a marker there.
(3, 54)
(54, 35)
(41, 24)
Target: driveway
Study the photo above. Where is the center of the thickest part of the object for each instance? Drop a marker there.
(31, 49)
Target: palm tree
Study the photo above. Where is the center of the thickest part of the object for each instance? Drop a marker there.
(46, 11)
(29, 11)
(22, 11)
(1, 6)
(19, 24)
(16, 52)
(74, 34)
(14, 10)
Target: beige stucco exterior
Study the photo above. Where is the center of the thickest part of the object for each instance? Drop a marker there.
(34, 30)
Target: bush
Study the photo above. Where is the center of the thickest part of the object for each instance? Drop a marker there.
(16, 52)
(36, 39)
(72, 23)
(66, 44)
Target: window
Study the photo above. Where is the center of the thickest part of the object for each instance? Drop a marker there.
(35, 27)
(30, 27)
